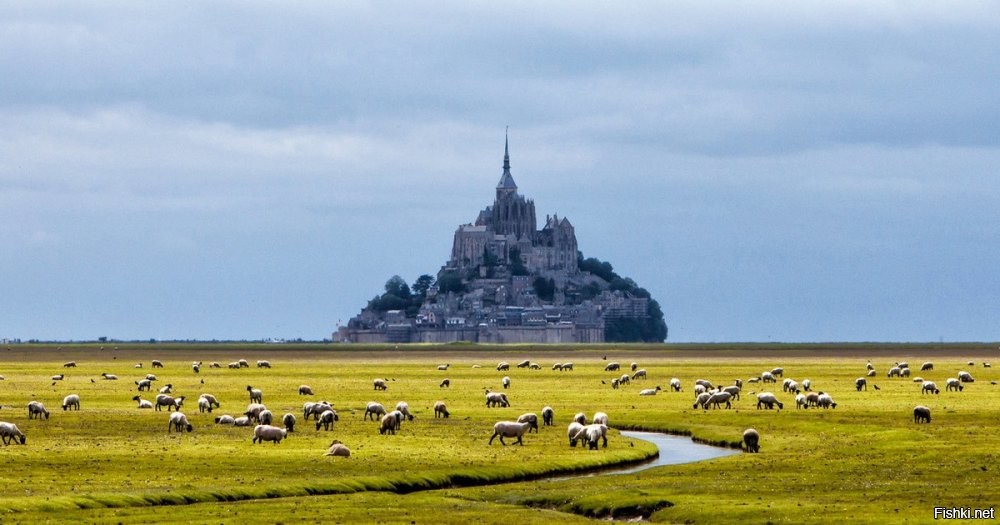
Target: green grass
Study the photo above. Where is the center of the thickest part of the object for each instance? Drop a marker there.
(865, 460)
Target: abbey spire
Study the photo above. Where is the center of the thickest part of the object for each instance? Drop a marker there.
(506, 185)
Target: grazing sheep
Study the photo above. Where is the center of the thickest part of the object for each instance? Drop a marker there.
(144, 384)
(557, 366)
(649, 391)
(506, 382)
(445, 366)
(921, 413)
(717, 399)
(869, 366)
(496, 399)
(211, 400)
(440, 410)
(639, 373)
(753, 380)
(9, 432)
(699, 390)
(314, 409)
(326, 419)
(768, 400)
(675, 384)
(58, 377)
(567, 366)
(142, 402)
(904, 372)
(702, 400)
(262, 433)
(534, 366)
(894, 372)
(548, 415)
(612, 367)
(801, 402)
(624, 379)
(204, 405)
(265, 417)
(263, 364)
(374, 410)
(531, 418)
(751, 440)
(404, 408)
(503, 365)
(524, 364)
(778, 372)
(445, 384)
(36, 410)
(927, 366)
(304, 390)
(196, 367)
(580, 418)
(825, 401)
(178, 422)
(572, 431)
(243, 363)
(987, 365)
(965, 377)
(163, 400)
(903, 365)
(614, 384)
(734, 391)
(256, 395)
(509, 429)
(234, 365)
(928, 387)
(953, 384)
(156, 363)
(109, 377)
(242, 421)
(289, 421)
(379, 384)
(226, 420)
(69, 364)
(871, 373)
(860, 383)
(600, 418)
(253, 412)
(71, 401)
(806, 384)
(338, 449)
(634, 366)
(812, 399)
(768, 377)
(215, 364)
(389, 423)
(591, 433)
(705, 383)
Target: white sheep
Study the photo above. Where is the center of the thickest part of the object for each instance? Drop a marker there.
(921, 413)
(614, 383)
(242, 421)
(338, 449)
(109, 377)
(894, 372)
(36, 410)
(440, 410)
(496, 399)
(212, 401)
(591, 433)
(253, 411)
(445, 366)
(734, 391)
(806, 384)
(704, 383)
(702, 400)
(534, 366)
(144, 384)
(751, 439)
(612, 367)
(404, 408)
(165, 389)
(326, 419)
(953, 384)
(71, 401)
(860, 383)
(390, 422)
(304, 390)
(717, 398)
(580, 418)
(143, 403)
(675, 384)
(178, 422)
(600, 418)
(548, 415)
(256, 395)
(649, 391)
(503, 365)
(374, 410)
(965, 377)
(801, 402)
(825, 401)
(641, 373)
(812, 399)
(155, 363)
(315, 409)
(699, 390)
(567, 366)
(531, 418)
(506, 382)
(778, 372)
(243, 363)
(289, 421)
(625, 379)
(768, 400)
(58, 377)
(163, 400)
(227, 420)
(557, 366)
(509, 429)
(265, 417)
(572, 431)
(263, 364)
(379, 384)
(204, 405)
(928, 387)
(768, 377)
(262, 433)
(9, 432)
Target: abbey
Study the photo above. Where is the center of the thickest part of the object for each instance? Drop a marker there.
(508, 281)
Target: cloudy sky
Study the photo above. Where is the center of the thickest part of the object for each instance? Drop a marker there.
(795, 171)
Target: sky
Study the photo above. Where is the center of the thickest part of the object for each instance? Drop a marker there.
(769, 171)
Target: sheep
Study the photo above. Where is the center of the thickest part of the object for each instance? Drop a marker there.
(213, 402)
(871, 373)
(965, 377)
(215, 364)
(634, 366)
(226, 420)
(165, 389)
(894, 372)
(717, 399)
(503, 365)
(612, 367)
(389, 423)
(338, 449)
(243, 363)
(404, 408)
(262, 433)
(163, 400)
(927, 366)
(304, 390)
(734, 391)
(921, 413)
(263, 364)
(71, 401)
(234, 365)
(156, 363)
(812, 399)
(768, 400)
(778, 372)
(142, 402)
(534, 366)
(379, 384)
(591, 433)
(531, 418)
(639, 373)
(265, 417)
(614, 384)
(557, 366)
(806, 384)
(928, 387)
(572, 431)
(903, 365)
(953, 384)
(624, 379)
(256, 395)
(904, 372)
(109, 377)
(289, 421)
(144, 384)
(178, 422)
(649, 391)
(790, 385)
(580, 418)
(600, 418)
(548, 415)
(253, 411)
(204, 405)
(440, 410)
(505, 382)
(825, 401)
(445, 384)
(751, 440)
(567, 366)
(801, 402)
(9, 432)
(860, 383)
(36, 410)
(869, 366)
(196, 367)
(524, 364)
(702, 400)
(699, 390)
(510, 429)
(326, 419)
(242, 421)
(675, 384)
(705, 383)
(497, 399)
(315, 409)
(69, 364)
(58, 377)
(768, 377)
(374, 410)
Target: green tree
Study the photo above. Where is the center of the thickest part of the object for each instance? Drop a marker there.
(450, 282)
(422, 284)
(398, 287)
(545, 289)
(516, 265)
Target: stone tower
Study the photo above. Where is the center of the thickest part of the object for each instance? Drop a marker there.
(511, 213)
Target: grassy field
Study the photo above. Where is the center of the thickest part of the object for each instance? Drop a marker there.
(865, 460)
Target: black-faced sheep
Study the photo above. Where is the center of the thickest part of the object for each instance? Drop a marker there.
(71, 401)
(497, 399)
(572, 431)
(812, 399)
(612, 367)
(315, 409)
(9, 432)
(593, 432)
(600, 418)
(503, 365)
(751, 440)
(641, 373)
(861, 383)
(163, 400)
(675, 384)
(531, 419)
(379, 384)
(524, 364)
(440, 410)
(921, 414)
(338, 449)
(649, 391)
(702, 400)
(928, 387)
(801, 402)
(326, 420)
(37, 410)
(304, 390)
(927, 366)
(144, 384)
(265, 417)
(580, 418)
(69, 364)
(825, 401)
(505, 382)
(509, 429)
(389, 423)
(806, 384)
(253, 411)
(263, 364)
(965, 377)
(625, 379)
(634, 366)
(142, 402)
(374, 410)
(548, 416)
(178, 422)
(768, 400)
(557, 366)
(242, 421)
(262, 433)
(289, 421)
(227, 420)
(768, 377)
(894, 372)
(534, 366)
(212, 401)
(404, 408)
(734, 391)
(156, 363)
(243, 363)
(445, 384)
(717, 398)
(614, 384)
(256, 395)
(778, 372)
(165, 389)
(953, 384)
(109, 377)
(705, 383)
(58, 377)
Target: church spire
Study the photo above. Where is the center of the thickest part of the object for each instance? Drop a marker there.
(506, 153)
(506, 185)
